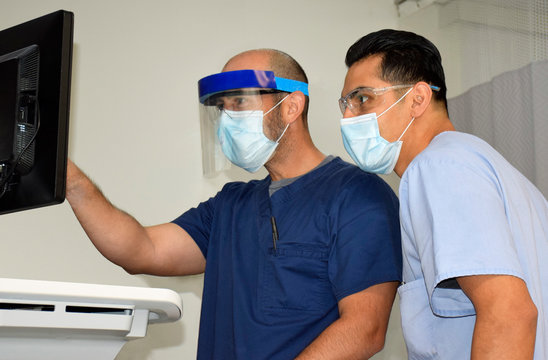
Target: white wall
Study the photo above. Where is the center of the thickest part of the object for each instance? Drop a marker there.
(135, 130)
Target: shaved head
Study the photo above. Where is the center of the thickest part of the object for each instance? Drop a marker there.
(277, 61)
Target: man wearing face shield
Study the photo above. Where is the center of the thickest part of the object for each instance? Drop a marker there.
(237, 118)
(474, 230)
(301, 264)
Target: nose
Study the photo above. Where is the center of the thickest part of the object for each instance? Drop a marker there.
(347, 113)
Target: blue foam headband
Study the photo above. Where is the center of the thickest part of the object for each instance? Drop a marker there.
(241, 79)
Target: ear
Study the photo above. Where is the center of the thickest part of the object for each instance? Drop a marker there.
(422, 96)
(293, 106)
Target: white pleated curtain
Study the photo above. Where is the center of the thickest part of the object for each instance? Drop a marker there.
(503, 50)
(510, 112)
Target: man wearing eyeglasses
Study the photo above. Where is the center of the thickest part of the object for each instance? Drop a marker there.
(301, 264)
(474, 230)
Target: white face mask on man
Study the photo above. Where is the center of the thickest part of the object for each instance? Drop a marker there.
(363, 142)
(242, 138)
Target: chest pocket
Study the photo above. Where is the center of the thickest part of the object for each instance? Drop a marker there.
(296, 278)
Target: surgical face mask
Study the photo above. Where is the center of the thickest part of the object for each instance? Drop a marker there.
(242, 138)
(363, 142)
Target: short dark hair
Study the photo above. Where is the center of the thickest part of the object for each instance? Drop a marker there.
(406, 58)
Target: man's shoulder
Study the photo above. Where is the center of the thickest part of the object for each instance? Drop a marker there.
(237, 186)
(339, 167)
(352, 180)
(455, 158)
(453, 147)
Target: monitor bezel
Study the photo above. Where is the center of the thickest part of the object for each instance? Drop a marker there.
(45, 184)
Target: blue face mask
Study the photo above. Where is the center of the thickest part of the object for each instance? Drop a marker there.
(242, 138)
(363, 142)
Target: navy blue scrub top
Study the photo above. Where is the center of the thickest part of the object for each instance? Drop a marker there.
(338, 234)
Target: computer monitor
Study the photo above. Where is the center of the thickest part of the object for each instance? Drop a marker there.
(35, 75)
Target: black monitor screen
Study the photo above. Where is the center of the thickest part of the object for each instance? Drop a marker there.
(35, 73)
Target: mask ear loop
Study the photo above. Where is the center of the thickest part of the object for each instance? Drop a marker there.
(394, 104)
(279, 102)
(391, 106)
(412, 119)
(280, 138)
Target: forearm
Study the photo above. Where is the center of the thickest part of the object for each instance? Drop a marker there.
(361, 328)
(117, 235)
(506, 317)
(344, 340)
(499, 339)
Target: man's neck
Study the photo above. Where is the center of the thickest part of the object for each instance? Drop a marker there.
(419, 139)
(294, 163)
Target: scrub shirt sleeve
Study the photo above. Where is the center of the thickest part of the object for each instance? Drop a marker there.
(367, 246)
(457, 214)
(197, 222)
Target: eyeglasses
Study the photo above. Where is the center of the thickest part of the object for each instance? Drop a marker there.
(361, 100)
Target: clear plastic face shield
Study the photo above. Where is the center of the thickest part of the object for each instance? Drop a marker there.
(235, 97)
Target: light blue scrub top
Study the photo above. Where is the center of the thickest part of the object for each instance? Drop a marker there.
(466, 211)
